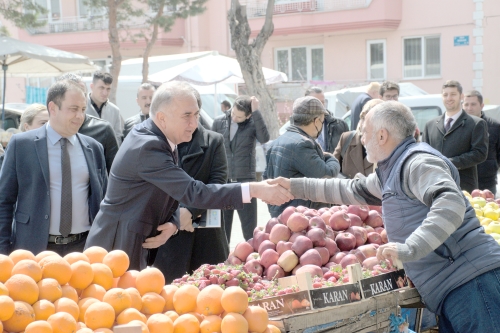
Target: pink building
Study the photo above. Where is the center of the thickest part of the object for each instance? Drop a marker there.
(331, 43)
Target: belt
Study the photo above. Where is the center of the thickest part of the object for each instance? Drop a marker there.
(60, 240)
(232, 181)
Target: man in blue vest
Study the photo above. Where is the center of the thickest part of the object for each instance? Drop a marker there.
(430, 224)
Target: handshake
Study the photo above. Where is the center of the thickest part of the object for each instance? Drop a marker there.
(272, 191)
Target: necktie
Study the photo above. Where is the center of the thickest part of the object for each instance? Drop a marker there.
(447, 126)
(176, 156)
(66, 192)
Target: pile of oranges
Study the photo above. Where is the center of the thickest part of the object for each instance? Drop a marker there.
(94, 290)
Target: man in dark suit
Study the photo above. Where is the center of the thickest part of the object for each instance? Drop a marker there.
(372, 91)
(144, 98)
(52, 180)
(487, 171)
(140, 210)
(460, 137)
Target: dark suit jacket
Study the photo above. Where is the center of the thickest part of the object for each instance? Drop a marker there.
(132, 121)
(353, 161)
(204, 159)
(357, 107)
(145, 186)
(487, 171)
(465, 144)
(24, 182)
(334, 129)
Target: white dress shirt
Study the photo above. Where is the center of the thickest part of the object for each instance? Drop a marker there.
(79, 183)
(454, 117)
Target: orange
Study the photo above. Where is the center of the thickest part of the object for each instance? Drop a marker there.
(234, 323)
(172, 315)
(99, 315)
(257, 319)
(22, 288)
(127, 280)
(208, 300)
(115, 282)
(39, 326)
(118, 298)
(73, 257)
(82, 275)
(118, 261)
(127, 315)
(19, 255)
(185, 299)
(43, 309)
(234, 299)
(28, 267)
(102, 275)
(69, 292)
(62, 322)
(57, 268)
(23, 315)
(3, 290)
(49, 289)
(67, 305)
(6, 265)
(6, 307)
(136, 298)
(152, 303)
(160, 323)
(144, 327)
(150, 280)
(167, 293)
(83, 304)
(95, 254)
(44, 254)
(273, 329)
(95, 291)
(80, 325)
(187, 323)
(211, 324)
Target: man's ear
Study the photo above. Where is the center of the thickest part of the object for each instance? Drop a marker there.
(382, 136)
(51, 107)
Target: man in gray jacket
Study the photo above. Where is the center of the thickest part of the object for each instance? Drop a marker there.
(430, 224)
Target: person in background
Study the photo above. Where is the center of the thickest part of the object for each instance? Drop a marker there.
(204, 159)
(54, 197)
(432, 228)
(486, 171)
(350, 152)
(241, 127)
(296, 154)
(225, 106)
(460, 137)
(332, 127)
(33, 117)
(99, 106)
(389, 91)
(372, 91)
(144, 98)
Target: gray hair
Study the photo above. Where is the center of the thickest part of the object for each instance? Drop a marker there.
(145, 86)
(30, 113)
(166, 94)
(366, 108)
(313, 90)
(395, 117)
(74, 78)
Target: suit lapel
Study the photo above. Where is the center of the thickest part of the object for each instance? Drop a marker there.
(440, 124)
(89, 157)
(43, 153)
(459, 122)
(198, 144)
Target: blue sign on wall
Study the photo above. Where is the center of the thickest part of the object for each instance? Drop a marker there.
(460, 40)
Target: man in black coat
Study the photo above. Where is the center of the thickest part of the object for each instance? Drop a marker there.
(101, 130)
(372, 91)
(144, 98)
(460, 137)
(332, 128)
(487, 171)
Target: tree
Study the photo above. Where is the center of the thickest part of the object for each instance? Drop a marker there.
(249, 57)
(24, 14)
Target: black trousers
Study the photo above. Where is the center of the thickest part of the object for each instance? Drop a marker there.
(64, 249)
(247, 215)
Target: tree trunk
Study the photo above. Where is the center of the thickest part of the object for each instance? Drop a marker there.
(114, 42)
(249, 58)
(150, 43)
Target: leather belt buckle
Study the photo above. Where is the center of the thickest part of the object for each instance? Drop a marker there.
(60, 240)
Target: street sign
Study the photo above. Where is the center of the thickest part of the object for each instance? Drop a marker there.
(460, 40)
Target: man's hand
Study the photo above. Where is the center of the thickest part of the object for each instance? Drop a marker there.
(255, 103)
(271, 194)
(283, 182)
(186, 220)
(167, 230)
(387, 251)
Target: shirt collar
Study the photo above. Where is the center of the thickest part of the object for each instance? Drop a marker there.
(454, 117)
(54, 137)
(172, 145)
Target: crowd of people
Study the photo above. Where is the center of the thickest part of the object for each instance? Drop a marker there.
(79, 175)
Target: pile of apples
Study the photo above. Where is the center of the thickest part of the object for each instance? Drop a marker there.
(314, 241)
(487, 211)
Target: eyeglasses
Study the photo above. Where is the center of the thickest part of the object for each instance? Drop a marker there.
(391, 97)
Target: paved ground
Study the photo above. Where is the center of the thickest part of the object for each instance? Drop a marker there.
(262, 218)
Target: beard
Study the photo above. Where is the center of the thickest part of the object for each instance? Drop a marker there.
(373, 150)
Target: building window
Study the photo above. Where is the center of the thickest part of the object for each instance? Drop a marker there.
(53, 8)
(376, 60)
(301, 63)
(85, 11)
(422, 57)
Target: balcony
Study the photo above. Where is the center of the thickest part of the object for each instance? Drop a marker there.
(258, 8)
(71, 24)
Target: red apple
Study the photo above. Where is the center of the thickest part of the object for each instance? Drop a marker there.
(274, 272)
(355, 220)
(359, 210)
(297, 222)
(258, 239)
(334, 209)
(288, 260)
(374, 219)
(233, 260)
(368, 228)
(242, 250)
(301, 245)
(322, 210)
(250, 241)
(317, 222)
(345, 241)
(331, 246)
(283, 218)
(337, 257)
(301, 209)
(330, 233)
(267, 244)
(283, 246)
(374, 238)
(312, 269)
(253, 256)
(475, 193)
(270, 224)
(340, 221)
(377, 208)
(378, 229)
(349, 259)
(269, 257)
(253, 266)
(369, 250)
(279, 232)
(317, 236)
(258, 229)
(296, 234)
(488, 194)
(324, 253)
(326, 217)
(383, 234)
(358, 255)
(359, 233)
(311, 212)
(311, 257)
(368, 263)
(296, 269)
